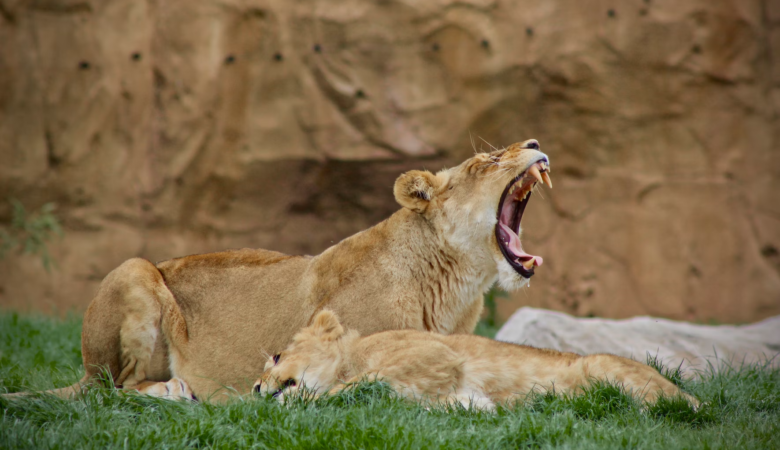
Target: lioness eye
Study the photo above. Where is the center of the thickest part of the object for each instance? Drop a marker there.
(276, 358)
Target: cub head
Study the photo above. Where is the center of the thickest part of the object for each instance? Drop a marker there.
(477, 206)
(311, 360)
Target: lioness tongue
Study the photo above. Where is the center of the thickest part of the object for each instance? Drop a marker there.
(513, 244)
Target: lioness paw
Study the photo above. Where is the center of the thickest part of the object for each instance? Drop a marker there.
(173, 389)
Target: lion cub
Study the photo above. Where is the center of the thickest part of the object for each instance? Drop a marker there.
(468, 369)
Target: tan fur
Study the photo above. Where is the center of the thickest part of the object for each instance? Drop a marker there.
(213, 319)
(466, 369)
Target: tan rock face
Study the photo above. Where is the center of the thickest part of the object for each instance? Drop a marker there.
(168, 128)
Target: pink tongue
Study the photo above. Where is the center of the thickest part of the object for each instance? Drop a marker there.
(515, 247)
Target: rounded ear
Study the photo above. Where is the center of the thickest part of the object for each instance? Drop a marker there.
(415, 189)
(326, 326)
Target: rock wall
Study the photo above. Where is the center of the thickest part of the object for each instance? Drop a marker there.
(164, 128)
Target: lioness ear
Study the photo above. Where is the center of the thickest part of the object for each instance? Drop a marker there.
(327, 326)
(415, 189)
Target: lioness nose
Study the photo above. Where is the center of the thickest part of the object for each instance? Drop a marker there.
(533, 144)
(257, 386)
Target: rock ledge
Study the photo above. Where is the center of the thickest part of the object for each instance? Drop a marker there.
(693, 346)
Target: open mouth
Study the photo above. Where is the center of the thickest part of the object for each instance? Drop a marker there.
(510, 212)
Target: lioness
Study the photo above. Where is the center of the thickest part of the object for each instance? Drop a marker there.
(203, 324)
(465, 369)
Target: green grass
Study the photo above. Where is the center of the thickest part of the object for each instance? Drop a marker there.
(742, 411)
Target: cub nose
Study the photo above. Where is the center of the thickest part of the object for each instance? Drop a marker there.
(257, 387)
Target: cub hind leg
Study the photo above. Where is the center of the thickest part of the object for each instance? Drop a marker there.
(642, 380)
(473, 398)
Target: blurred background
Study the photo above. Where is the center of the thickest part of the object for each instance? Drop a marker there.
(163, 128)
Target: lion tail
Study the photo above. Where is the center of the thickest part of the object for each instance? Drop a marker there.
(67, 393)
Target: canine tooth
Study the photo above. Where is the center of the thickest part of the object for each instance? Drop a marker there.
(535, 172)
(547, 179)
(529, 264)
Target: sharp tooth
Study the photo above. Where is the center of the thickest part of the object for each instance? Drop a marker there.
(535, 172)
(529, 264)
(547, 180)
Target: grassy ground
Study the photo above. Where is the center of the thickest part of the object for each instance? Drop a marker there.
(743, 412)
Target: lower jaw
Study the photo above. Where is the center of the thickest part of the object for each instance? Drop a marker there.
(510, 279)
(525, 273)
(517, 268)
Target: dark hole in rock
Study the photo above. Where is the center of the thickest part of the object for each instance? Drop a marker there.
(769, 251)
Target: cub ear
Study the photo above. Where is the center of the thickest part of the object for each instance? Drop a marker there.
(326, 326)
(415, 189)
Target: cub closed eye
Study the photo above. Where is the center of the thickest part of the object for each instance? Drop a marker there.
(287, 383)
(276, 358)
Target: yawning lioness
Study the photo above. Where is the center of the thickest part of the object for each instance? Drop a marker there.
(204, 324)
(466, 369)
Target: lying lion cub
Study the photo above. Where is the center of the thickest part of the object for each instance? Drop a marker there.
(468, 369)
(198, 325)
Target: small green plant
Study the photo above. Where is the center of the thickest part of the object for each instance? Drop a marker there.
(30, 233)
(488, 325)
(673, 375)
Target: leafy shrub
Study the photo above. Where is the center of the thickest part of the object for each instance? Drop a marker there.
(30, 233)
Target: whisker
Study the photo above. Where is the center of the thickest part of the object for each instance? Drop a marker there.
(488, 143)
(473, 145)
(538, 190)
(265, 354)
(500, 172)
